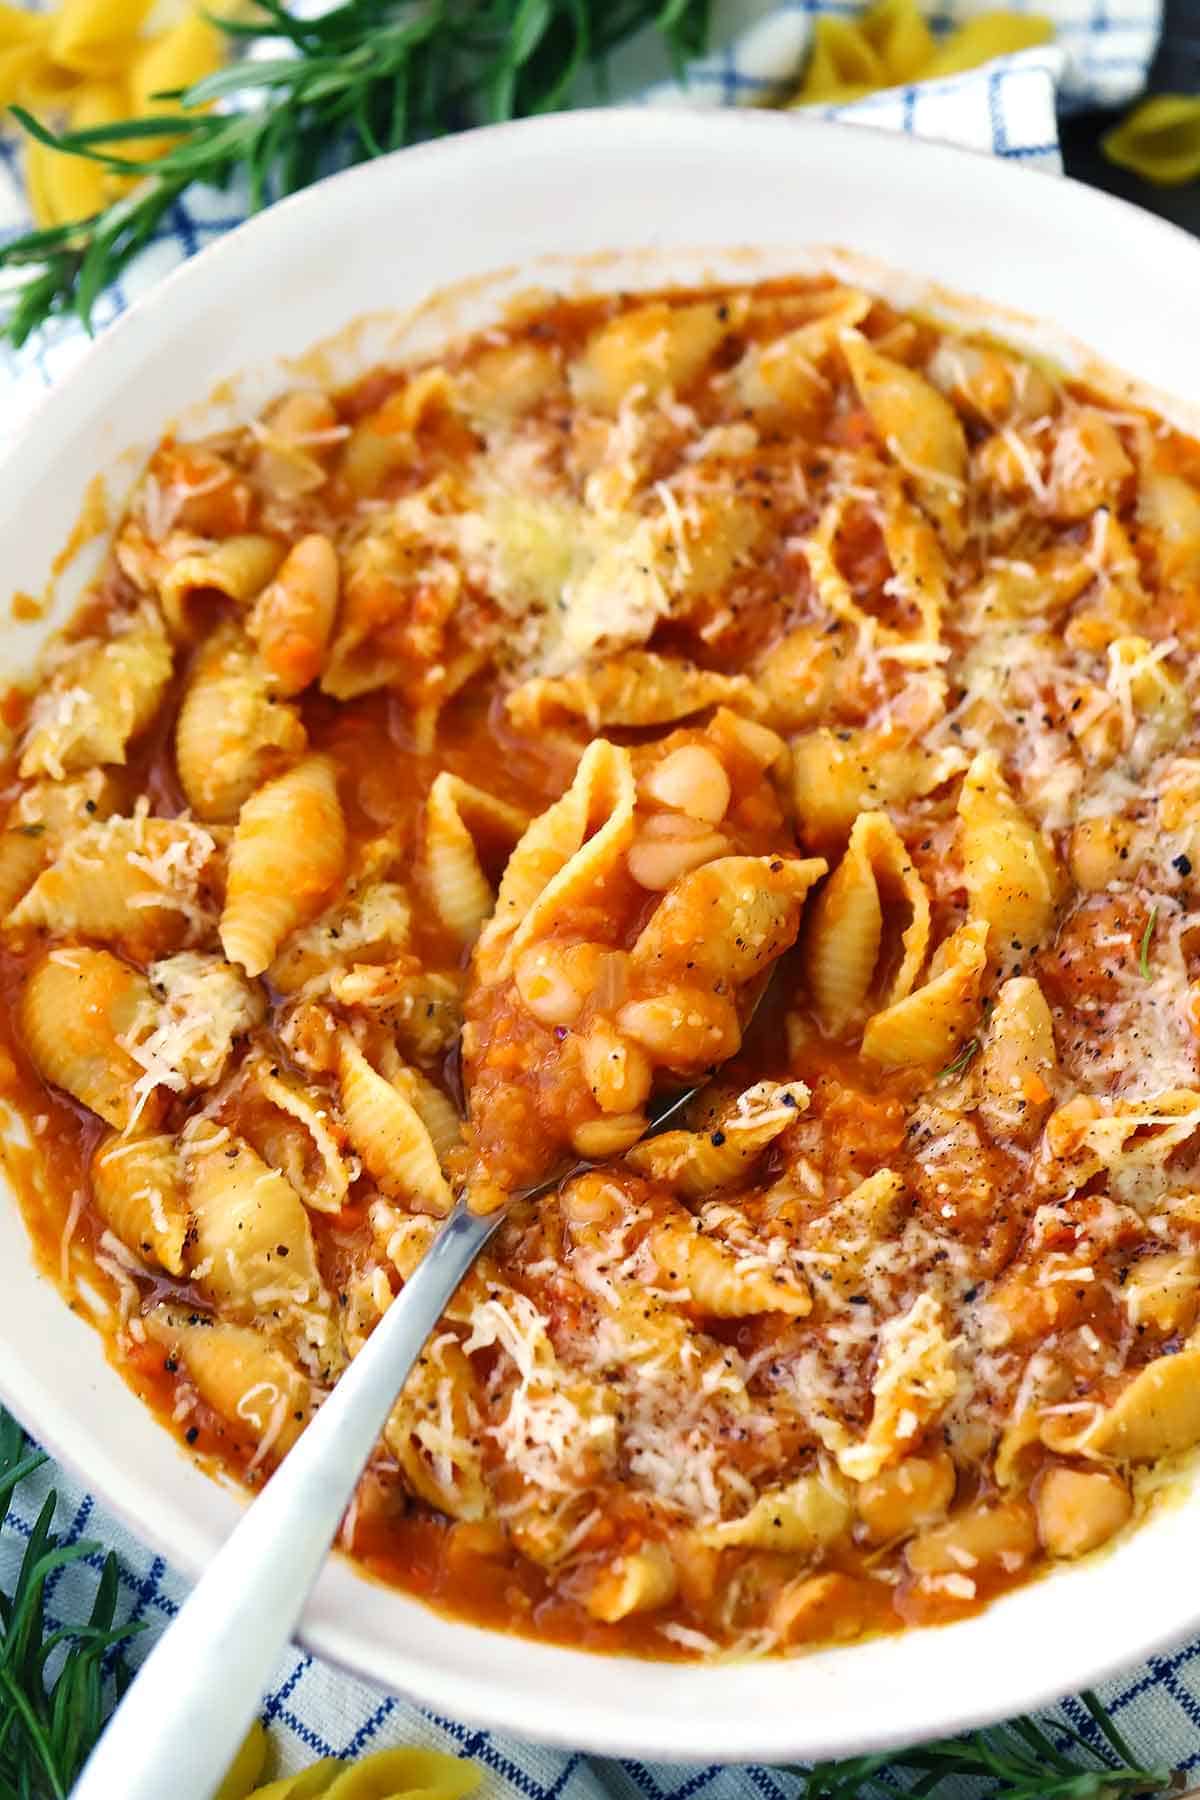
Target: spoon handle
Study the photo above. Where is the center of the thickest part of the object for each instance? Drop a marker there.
(178, 1727)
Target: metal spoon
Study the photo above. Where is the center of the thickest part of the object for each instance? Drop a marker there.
(178, 1727)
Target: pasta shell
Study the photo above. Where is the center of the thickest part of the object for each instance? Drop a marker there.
(854, 1226)
(287, 856)
(913, 1383)
(1156, 1415)
(400, 586)
(435, 1109)
(295, 432)
(456, 813)
(434, 1432)
(729, 919)
(253, 1251)
(1018, 1062)
(651, 347)
(1154, 708)
(372, 925)
(918, 577)
(1008, 869)
(293, 618)
(836, 775)
(423, 1008)
(230, 733)
(137, 1185)
(139, 883)
(781, 381)
(423, 1774)
(849, 965)
(920, 429)
(1141, 1133)
(236, 568)
(302, 1144)
(203, 1007)
(713, 1278)
(99, 700)
(806, 1516)
(696, 1163)
(638, 1582)
(245, 1377)
(39, 820)
(571, 844)
(636, 687)
(77, 1006)
(927, 1026)
(390, 1135)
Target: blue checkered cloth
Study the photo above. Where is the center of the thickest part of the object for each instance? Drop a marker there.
(1101, 54)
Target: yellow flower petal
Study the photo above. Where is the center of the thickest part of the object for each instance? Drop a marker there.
(1159, 140)
(984, 38)
(97, 37)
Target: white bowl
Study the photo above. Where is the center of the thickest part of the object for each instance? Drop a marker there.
(659, 185)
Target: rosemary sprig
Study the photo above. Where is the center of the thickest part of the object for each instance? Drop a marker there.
(956, 1067)
(1019, 1761)
(361, 79)
(57, 1685)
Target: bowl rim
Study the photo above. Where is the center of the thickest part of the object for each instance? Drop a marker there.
(492, 1699)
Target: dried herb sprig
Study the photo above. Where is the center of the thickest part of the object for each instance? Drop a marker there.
(57, 1684)
(1019, 1761)
(361, 79)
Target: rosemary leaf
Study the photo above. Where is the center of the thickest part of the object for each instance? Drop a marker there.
(365, 77)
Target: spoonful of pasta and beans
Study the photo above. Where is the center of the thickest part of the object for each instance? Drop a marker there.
(635, 929)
